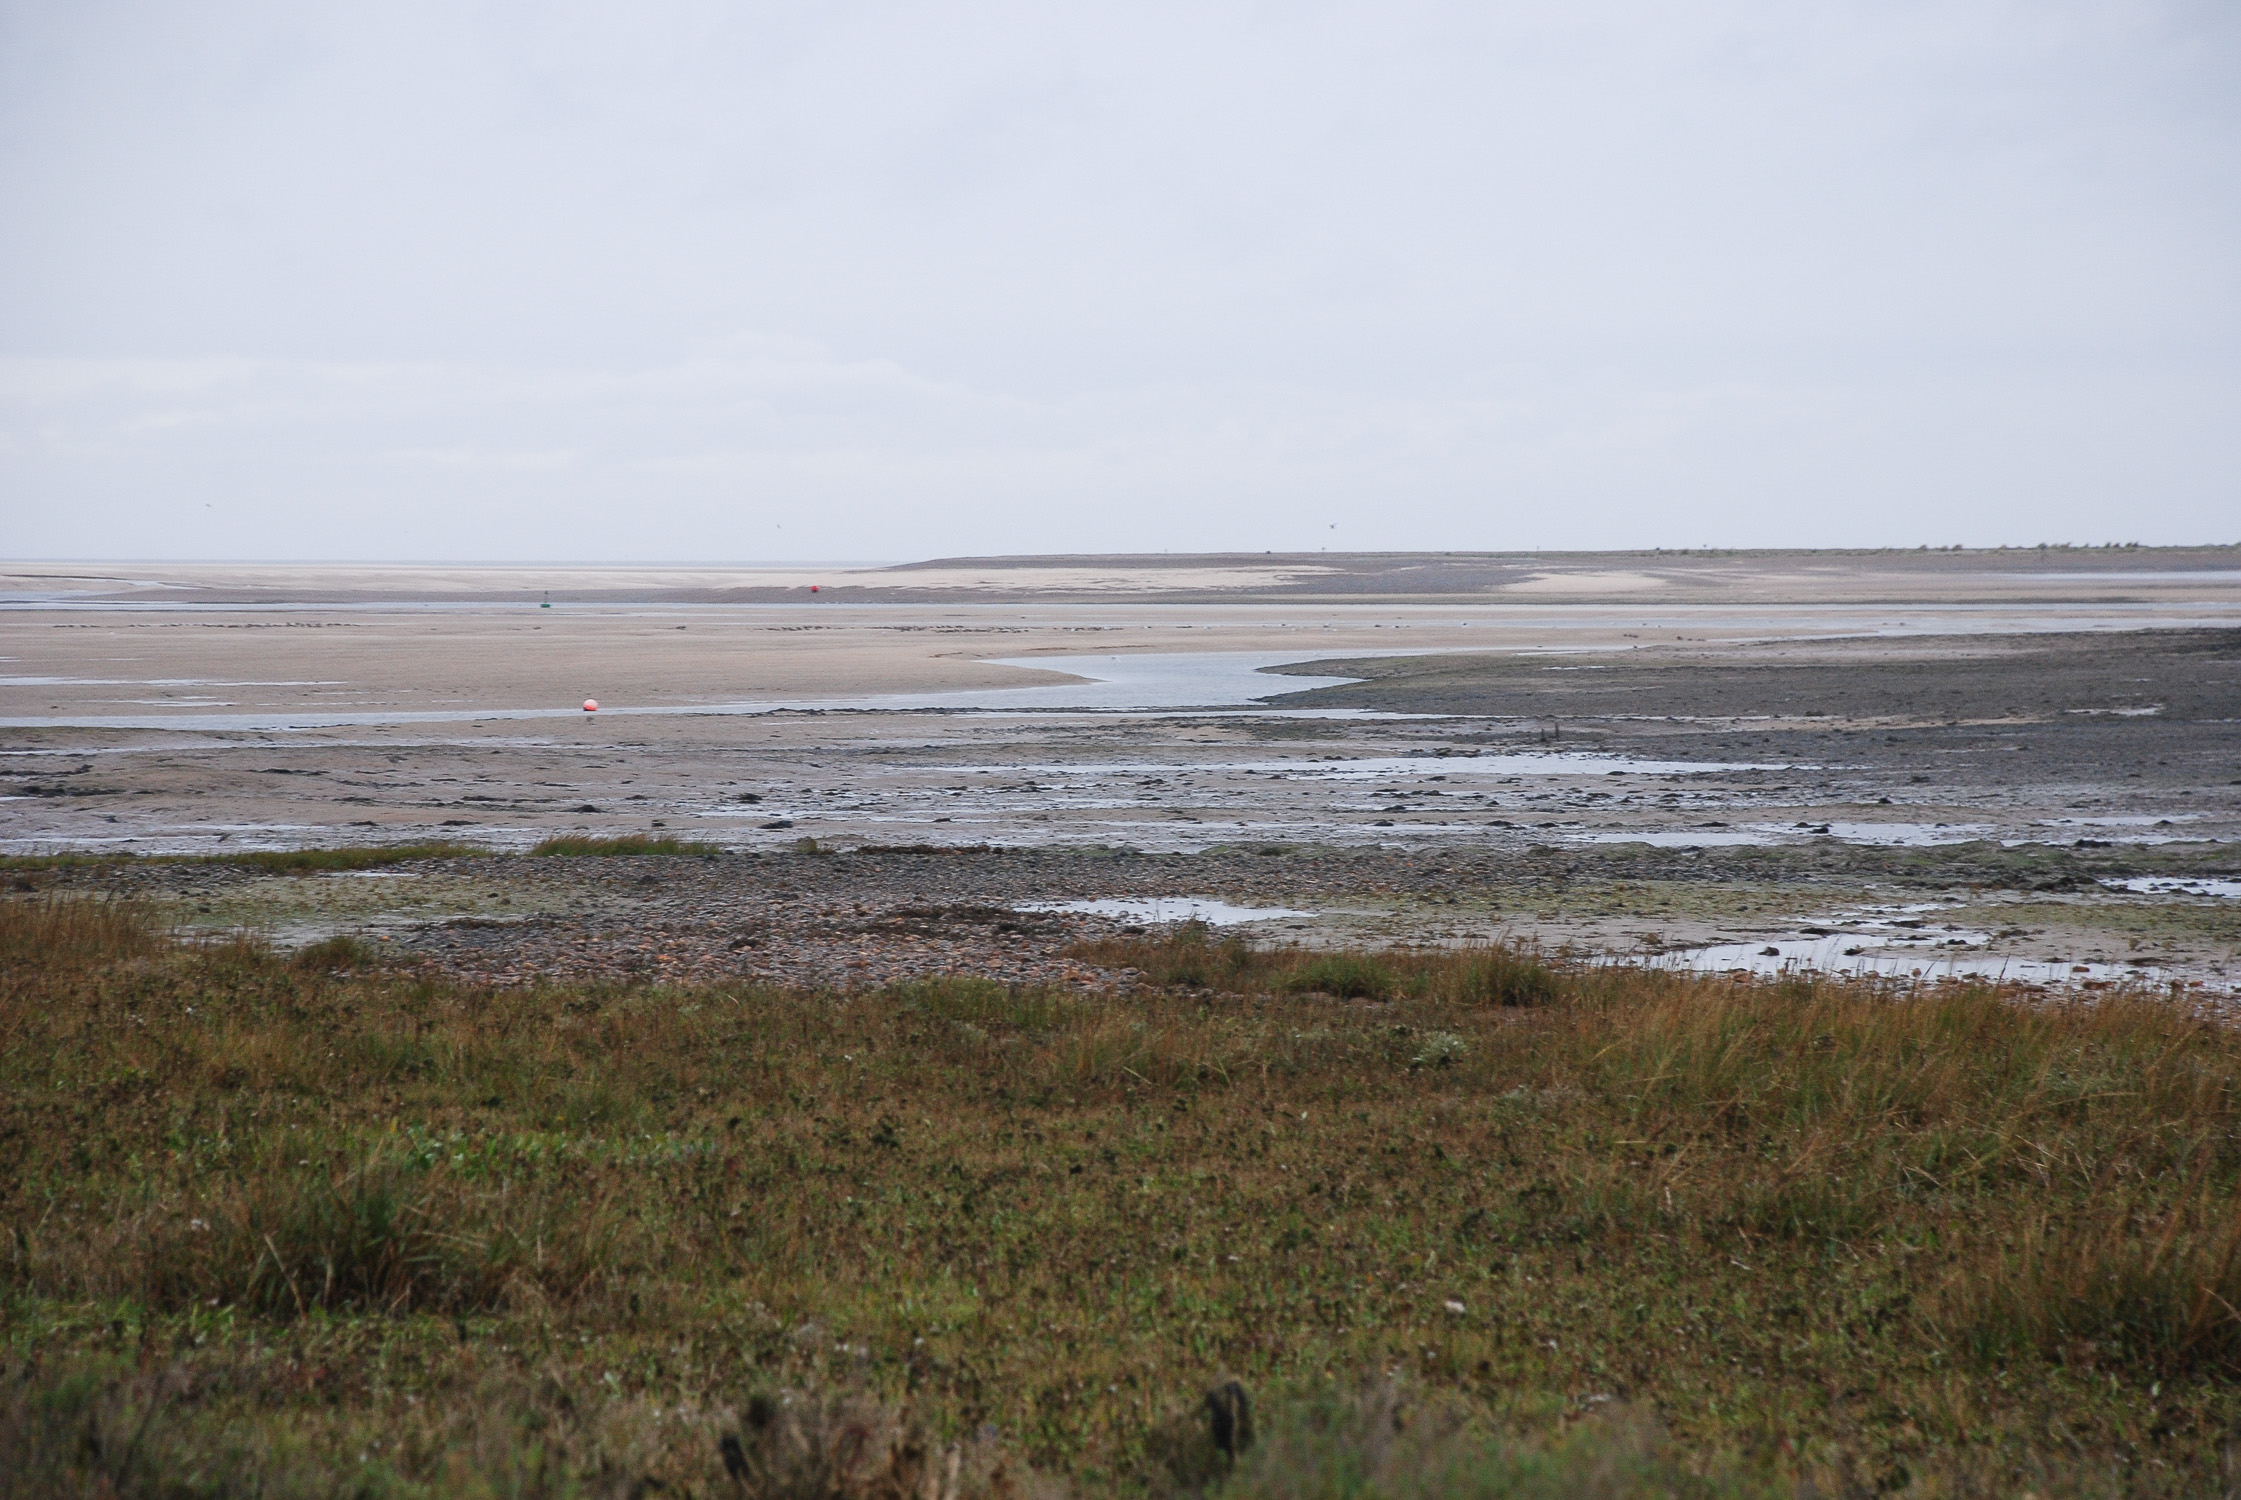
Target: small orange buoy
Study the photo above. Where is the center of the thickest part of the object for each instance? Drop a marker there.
(813, 588)
(591, 705)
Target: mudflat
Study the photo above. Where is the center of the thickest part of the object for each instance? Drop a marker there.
(1774, 753)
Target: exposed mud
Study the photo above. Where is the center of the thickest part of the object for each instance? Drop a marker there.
(2062, 798)
(872, 916)
(2080, 739)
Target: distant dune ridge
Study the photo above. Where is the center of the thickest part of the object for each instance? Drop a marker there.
(2049, 573)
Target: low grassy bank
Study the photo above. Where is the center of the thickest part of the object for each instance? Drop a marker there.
(366, 856)
(270, 861)
(1461, 1224)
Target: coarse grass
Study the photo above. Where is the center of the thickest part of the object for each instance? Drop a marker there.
(311, 1229)
(1394, 1443)
(231, 1422)
(50, 933)
(71, 860)
(338, 953)
(1191, 957)
(626, 844)
(272, 861)
(2133, 1275)
(350, 857)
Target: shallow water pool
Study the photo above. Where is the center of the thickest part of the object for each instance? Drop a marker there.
(2179, 885)
(1149, 910)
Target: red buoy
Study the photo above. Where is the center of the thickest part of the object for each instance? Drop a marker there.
(591, 705)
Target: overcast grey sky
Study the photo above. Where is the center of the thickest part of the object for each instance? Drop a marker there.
(696, 281)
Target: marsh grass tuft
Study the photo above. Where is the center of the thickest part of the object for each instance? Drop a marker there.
(624, 846)
(1349, 976)
(341, 952)
(1191, 956)
(379, 1230)
(1493, 976)
(64, 933)
(984, 1006)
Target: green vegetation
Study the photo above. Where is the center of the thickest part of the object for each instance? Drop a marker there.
(355, 857)
(340, 952)
(1392, 1443)
(1494, 1227)
(272, 861)
(1190, 958)
(625, 845)
(69, 861)
(364, 856)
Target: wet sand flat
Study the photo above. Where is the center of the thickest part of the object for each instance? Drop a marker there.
(1838, 758)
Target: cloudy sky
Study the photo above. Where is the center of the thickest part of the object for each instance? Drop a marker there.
(441, 279)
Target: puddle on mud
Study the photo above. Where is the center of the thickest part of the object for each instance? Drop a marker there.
(1530, 763)
(2123, 820)
(1867, 955)
(2129, 828)
(1900, 943)
(1887, 835)
(1675, 838)
(1882, 835)
(1149, 910)
(1902, 835)
(1374, 767)
(2179, 885)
